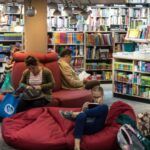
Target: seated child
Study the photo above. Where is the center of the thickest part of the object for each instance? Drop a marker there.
(92, 117)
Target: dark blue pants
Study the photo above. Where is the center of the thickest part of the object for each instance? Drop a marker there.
(90, 121)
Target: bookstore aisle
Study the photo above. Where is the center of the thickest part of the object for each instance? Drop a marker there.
(109, 99)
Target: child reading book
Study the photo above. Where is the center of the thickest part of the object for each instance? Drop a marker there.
(91, 118)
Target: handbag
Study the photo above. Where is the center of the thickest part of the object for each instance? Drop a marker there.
(8, 105)
(31, 94)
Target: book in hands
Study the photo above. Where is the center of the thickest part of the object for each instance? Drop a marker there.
(83, 75)
(92, 105)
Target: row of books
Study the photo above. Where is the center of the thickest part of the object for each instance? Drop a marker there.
(3, 58)
(97, 53)
(123, 66)
(142, 66)
(141, 33)
(123, 77)
(138, 12)
(135, 23)
(141, 91)
(101, 21)
(119, 20)
(98, 66)
(5, 48)
(132, 89)
(99, 39)
(67, 38)
(10, 36)
(76, 50)
(125, 47)
(137, 1)
(145, 80)
(59, 22)
(104, 76)
(119, 37)
(138, 79)
(110, 11)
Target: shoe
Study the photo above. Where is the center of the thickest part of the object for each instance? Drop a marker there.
(67, 115)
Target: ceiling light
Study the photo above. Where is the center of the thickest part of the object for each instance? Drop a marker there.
(77, 10)
(2, 1)
(73, 20)
(31, 11)
(14, 9)
(89, 12)
(57, 13)
(68, 10)
(20, 1)
(52, 5)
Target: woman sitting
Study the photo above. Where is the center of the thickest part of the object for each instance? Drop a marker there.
(37, 77)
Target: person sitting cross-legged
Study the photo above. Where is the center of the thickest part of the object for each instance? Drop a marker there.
(92, 117)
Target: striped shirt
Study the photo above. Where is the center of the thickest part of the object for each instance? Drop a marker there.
(35, 79)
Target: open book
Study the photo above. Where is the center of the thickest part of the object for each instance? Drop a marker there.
(83, 75)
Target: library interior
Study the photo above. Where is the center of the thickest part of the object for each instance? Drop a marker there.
(108, 44)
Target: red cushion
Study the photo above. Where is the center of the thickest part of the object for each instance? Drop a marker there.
(45, 129)
(20, 56)
(51, 56)
(53, 66)
(72, 98)
(17, 71)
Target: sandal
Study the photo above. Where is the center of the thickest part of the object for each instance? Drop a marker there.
(67, 115)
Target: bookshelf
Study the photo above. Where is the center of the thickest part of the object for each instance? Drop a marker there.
(73, 40)
(131, 72)
(10, 21)
(98, 53)
(7, 41)
(11, 31)
(119, 41)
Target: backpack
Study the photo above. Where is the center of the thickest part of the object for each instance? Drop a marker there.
(129, 139)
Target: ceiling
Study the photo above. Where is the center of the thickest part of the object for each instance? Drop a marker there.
(89, 2)
(92, 2)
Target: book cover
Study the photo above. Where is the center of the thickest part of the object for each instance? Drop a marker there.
(134, 33)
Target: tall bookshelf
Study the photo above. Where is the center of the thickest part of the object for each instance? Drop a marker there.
(131, 76)
(73, 40)
(11, 31)
(98, 54)
(119, 40)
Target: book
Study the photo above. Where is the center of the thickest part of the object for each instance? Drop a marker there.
(92, 105)
(83, 75)
(133, 33)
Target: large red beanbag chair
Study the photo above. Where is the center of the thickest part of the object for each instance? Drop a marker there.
(44, 129)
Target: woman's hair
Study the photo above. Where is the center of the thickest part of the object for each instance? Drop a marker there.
(31, 61)
(65, 52)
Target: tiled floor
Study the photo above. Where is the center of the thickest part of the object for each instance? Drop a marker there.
(138, 107)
